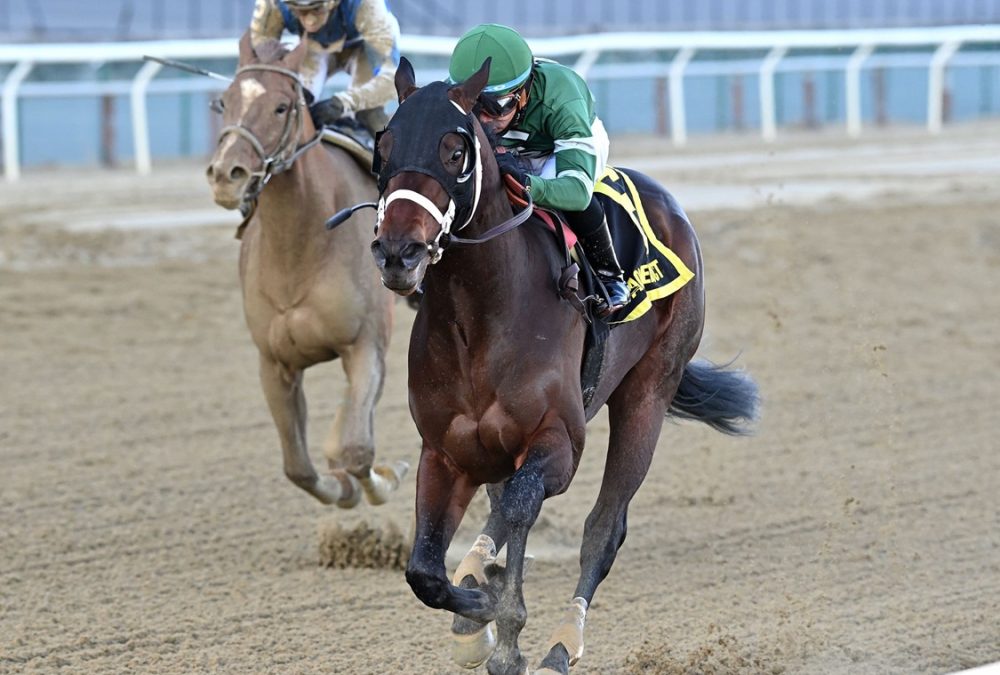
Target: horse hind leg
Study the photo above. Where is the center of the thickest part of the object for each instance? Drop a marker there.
(636, 416)
(285, 399)
(473, 641)
(351, 443)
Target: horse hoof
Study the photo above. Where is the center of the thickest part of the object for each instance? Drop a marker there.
(393, 473)
(350, 489)
(472, 650)
(383, 480)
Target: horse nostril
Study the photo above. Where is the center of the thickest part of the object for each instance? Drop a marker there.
(238, 173)
(378, 252)
(412, 254)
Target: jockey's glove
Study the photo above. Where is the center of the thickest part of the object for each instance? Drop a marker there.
(326, 112)
(510, 165)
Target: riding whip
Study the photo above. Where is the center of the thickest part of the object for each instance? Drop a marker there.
(340, 216)
(180, 65)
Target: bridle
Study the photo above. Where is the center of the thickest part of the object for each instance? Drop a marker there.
(286, 152)
(464, 190)
(472, 171)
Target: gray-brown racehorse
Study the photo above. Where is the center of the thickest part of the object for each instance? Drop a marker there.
(309, 295)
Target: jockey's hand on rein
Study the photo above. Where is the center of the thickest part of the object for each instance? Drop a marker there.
(326, 112)
(510, 165)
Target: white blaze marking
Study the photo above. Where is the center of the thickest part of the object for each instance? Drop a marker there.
(250, 89)
(226, 145)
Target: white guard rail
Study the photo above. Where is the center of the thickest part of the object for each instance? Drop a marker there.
(767, 52)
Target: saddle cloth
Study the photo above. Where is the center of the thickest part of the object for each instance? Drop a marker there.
(652, 271)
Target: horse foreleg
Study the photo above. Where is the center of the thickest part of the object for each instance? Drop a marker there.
(443, 495)
(287, 403)
(545, 472)
(351, 443)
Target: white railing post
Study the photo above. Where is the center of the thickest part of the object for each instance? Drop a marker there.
(768, 118)
(678, 122)
(852, 88)
(140, 121)
(935, 85)
(11, 128)
(587, 59)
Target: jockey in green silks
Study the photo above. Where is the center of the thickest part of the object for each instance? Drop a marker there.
(543, 112)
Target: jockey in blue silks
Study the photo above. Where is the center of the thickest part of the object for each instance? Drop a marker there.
(357, 36)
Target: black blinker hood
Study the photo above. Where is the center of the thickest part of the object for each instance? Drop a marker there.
(417, 128)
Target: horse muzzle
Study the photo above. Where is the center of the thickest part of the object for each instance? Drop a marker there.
(229, 182)
(402, 264)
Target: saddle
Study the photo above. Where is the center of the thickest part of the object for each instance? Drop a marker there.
(348, 134)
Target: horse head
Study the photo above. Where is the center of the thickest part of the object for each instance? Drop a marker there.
(265, 119)
(434, 166)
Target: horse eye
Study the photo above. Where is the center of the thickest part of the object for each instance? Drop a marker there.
(456, 154)
(281, 109)
(216, 105)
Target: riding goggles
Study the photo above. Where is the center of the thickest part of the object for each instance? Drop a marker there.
(312, 6)
(499, 106)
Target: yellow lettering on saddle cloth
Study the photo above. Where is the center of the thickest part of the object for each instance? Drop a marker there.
(646, 275)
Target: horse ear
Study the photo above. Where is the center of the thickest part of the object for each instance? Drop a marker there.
(293, 59)
(247, 54)
(466, 93)
(406, 81)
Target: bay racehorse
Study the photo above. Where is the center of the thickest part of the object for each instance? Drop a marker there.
(495, 365)
(309, 296)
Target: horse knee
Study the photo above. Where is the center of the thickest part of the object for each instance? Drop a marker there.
(522, 499)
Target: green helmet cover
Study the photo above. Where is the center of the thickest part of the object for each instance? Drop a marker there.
(512, 59)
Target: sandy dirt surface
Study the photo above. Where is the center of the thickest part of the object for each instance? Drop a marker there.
(146, 526)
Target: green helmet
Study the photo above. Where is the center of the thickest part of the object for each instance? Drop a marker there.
(512, 59)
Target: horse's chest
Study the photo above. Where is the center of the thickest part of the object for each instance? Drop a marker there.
(491, 441)
(295, 336)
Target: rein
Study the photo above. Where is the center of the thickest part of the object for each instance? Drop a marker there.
(443, 240)
(287, 152)
(503, 228)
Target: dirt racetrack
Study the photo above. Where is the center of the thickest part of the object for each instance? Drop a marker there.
(146, 526)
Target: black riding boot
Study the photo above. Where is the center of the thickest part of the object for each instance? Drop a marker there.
(601, 254)
(373, 119)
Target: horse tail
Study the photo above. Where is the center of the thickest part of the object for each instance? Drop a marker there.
(726, 400)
